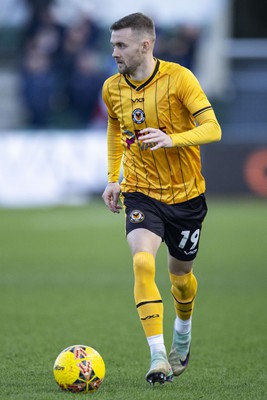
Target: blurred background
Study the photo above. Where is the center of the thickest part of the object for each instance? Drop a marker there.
(54, 57)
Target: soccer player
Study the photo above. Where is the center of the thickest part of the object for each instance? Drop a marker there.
(158, 115)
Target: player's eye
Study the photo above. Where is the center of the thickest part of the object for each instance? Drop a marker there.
(121, 45)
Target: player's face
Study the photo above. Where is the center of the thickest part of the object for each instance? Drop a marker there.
(127, 50)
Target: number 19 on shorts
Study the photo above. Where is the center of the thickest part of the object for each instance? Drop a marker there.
(189, 241)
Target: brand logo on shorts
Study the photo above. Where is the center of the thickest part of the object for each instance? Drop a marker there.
(138, 116)
(188, 253)
(136, 216)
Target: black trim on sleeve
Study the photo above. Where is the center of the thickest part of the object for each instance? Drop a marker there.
(201, 111)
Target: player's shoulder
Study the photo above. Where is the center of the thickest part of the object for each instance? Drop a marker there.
(175, 69)
(113, 79)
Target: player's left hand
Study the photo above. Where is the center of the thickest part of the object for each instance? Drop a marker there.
(152, 135)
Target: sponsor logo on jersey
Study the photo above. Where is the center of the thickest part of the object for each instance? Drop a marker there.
(136, 216)
(138, 116)
(132, 136)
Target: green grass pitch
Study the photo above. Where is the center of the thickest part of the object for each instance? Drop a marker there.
(66, 278)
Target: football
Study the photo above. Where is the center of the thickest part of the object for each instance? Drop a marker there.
(79, 368)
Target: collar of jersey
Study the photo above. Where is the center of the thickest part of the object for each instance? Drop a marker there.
(146, 82)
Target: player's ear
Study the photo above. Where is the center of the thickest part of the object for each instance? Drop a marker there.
(146, 46)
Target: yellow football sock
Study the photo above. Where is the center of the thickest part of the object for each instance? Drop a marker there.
(184, 289)
(147, 297)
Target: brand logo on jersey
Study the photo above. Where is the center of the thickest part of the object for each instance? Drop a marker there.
(140, 100)
(136, 216)
(138, 116)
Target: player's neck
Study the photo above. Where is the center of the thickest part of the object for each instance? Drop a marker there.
(144, 70)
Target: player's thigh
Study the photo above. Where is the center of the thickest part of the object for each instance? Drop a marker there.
(183, 228)
(179, 267)
(141, 239)
(144, 225)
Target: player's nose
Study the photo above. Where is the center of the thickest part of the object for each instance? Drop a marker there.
(115, 53)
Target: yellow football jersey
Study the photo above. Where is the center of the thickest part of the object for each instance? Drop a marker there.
(172, 100)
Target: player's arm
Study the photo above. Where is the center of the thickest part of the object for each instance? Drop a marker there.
(112, 191)
(207, 131)
(207, 128)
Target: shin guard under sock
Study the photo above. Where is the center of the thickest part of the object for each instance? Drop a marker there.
(147, 297)
(184, 289)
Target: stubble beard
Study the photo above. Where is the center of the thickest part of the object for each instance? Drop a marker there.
(126, 69)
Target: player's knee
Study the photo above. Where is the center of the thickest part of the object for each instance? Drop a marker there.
(186, 284)
(144, 266)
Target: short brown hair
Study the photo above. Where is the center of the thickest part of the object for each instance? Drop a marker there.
(136, 21)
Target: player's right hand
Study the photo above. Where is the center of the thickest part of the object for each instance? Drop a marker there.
(111, 197)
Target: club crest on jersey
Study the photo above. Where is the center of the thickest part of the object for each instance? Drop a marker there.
(136, 216)
(138, 116)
